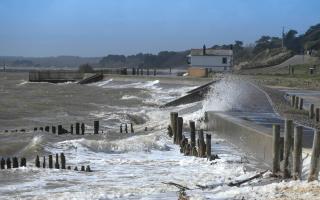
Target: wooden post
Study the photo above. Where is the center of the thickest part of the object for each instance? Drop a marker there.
(35, 129)
(77, 128)
(44, 162)
(23, 162)
(296, 106)
(174, 119)
(71, 129)
(47, 128)
(179, 129)
(60, 132)
(192, 133)
(276, 149)
(8, 163)
(131, 128)
(297, 152)
(53, 129)
(311, 111)
(15, 163)
(82, 128)
(82, 169)
(202, 145)
(69, 167)
(37, 162)
(288, 133)
(317, 114)
(75, 168)
(281, 147)
(63, 161)
(41, 128)
(88, 169)
(2, 163)
(208, 146)
(126, 128)
(50, 162)
(314, 166)
(293, 98)
(96, 127)
(120, 128)
(301, 104)
(56, 165)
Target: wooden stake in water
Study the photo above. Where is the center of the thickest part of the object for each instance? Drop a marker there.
(174, 119)
(120, 128)
(201, 145)
(56, 165)
(311, 111)
(297, 153)
(44, 162)
(50, 162)
(8, 163)
(15, 163)
(314, 166)
(179, 130)
(317, 114)
(208, 146)
(288, 133)
(77, 128)
(192, 133)
(126, 128)
(276, 149)
(63, 161)
(37, 162)
(301, 104)
(296, 106)
(2, 163)
(82, 128)
(96, 127)
(131, 128)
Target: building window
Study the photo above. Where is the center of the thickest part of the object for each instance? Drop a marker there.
(224, 60)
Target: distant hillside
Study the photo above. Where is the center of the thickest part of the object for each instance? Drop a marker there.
(59, 61)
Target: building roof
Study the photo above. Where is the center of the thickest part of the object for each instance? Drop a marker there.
(212, 52)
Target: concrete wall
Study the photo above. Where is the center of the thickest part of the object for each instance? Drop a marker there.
(251, 138)
(54, 75)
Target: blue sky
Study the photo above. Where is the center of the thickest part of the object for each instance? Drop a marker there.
(101, 27)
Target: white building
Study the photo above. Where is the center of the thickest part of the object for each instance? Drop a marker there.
(213, 59)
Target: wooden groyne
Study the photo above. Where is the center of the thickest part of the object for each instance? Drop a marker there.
(54, 76)
(92, 79)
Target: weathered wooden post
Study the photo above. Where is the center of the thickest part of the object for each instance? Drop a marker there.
(37, 162)
(56, 165)
(96, 127)
(126, 127)
(288, 133)
(50, 162)
(41, 128)
(293, 99)
(53, 129)
(174, 119)
(296, 106)
(201, 145)
(77, 128)
(314, 166)
(297, 152)
(47, 128)
(179, 129)
(208, 147)
(2, 163)
(75, 168)
(60, 132)
(301, 104)
(275, 149)
(15, 163)
(8, 163)
(69, 167)
(63, 161)
(82, 128)
(35, 129)
(82, 168)
(23, 162)
(44, 162)
(120, 128)
(88, 169)
(192, 133)
(131, 128)
(281, 147)
(71, 129)
(317, 114)
(311, 111)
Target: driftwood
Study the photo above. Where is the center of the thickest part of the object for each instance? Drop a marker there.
(181, 187)
(231, 184)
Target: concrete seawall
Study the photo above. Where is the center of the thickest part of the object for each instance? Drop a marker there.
(250, 137)
(54, 76)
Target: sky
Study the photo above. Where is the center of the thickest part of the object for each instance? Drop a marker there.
(100, 27)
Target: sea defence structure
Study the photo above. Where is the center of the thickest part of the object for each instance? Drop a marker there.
(55, 76)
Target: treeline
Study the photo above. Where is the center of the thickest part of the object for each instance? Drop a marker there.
(161, 60)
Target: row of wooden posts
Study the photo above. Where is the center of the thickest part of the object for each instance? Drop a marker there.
(57, 165)
(12, 163)
(200, 148)
(289, 150)
(124, 128)
(79, 129)
(297, 103)
(139, 71)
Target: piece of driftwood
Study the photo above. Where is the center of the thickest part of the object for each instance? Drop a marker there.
(181, 187)
(238, 183)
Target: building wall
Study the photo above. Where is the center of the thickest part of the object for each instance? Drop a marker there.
(211, 62)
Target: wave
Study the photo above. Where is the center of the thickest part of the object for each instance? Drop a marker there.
(33, 147)
(103, 83)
